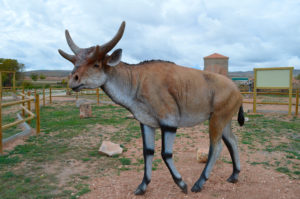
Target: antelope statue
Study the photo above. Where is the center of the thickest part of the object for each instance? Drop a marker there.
(162, 95)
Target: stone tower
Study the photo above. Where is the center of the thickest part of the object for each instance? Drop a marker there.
(216, 63)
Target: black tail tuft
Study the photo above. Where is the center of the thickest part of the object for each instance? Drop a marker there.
(241, 118)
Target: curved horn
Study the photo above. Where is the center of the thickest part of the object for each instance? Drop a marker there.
(71, 58)
(95, 54)
(71, 43)
(105, 48)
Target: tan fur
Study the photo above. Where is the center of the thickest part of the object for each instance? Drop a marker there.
(168, 89)
(162, 94)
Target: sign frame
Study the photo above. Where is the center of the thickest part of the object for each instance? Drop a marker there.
(259, 85)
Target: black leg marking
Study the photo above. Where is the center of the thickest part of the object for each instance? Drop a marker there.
(148, 151)
(166, 155)
(170, 129)
(231, 143)
(168, 136)
(148, 135)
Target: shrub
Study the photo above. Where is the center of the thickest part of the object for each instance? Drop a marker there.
(42, 76)
(27, 84)
(34, 76)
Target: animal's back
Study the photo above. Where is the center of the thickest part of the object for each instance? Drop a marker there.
(181, 96)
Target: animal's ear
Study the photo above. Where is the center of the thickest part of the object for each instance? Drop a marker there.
(115, 58)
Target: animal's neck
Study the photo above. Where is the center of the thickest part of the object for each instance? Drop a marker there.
(120, 85)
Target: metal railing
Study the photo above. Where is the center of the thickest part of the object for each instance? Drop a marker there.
(254, 102)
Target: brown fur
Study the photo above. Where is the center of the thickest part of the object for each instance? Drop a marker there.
(163, 94)
(169, 89)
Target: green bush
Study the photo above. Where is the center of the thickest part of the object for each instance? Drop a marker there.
(42, 76)
(27, 84)
(34, 76)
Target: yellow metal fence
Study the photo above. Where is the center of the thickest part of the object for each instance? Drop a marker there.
(290, 104)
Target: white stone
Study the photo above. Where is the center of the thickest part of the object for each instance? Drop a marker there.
(110, 149)
(130, 116)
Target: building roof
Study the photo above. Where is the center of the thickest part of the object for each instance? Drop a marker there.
(216, 56)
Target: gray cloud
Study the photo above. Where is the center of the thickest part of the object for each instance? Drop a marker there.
(253, 33)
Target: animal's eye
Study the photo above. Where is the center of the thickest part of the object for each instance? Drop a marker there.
(96, 65)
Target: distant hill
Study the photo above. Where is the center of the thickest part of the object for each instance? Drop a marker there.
(65, 73)
(49, 73)
(241, 74)
(251, 73)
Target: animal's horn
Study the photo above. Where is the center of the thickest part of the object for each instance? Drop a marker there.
(71, 58)
(95, 54)
(71, 43)
(105, 48)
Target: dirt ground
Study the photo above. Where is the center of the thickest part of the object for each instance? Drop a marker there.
(255, 181)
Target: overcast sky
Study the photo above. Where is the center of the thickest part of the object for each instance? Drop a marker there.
(252, 33)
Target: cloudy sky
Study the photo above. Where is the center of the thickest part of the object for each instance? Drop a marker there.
(252, 33)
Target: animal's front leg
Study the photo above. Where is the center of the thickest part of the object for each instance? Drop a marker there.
(168, 136)
(148, 134)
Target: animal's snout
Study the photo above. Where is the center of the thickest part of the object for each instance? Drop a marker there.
(76, 77)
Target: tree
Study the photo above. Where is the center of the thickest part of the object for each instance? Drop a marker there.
(298, 77)
(10, 65)
(34, 76)
(42, 76)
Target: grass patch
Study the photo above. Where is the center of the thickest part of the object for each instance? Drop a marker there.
(270, 135)
(8, 118)
(125, 161)
(65, 138)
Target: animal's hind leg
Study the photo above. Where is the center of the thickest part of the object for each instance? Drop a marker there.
(231, 143)
(215, 148)
(148, 134)
(168, 136)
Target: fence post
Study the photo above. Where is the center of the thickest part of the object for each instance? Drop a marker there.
(290, 100)
(50, 95)
(297, 102)
(254, 100)
(44, 102)
(23, 98)
(37, 112)
(0, 85)
(98, 97)
(1, 146)
(254, 93)
(14, 82)
(29, 104)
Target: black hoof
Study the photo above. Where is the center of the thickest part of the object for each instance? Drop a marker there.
(139, 191)
(233, 178)
(184, 188)
(196, 188)
(181, 184)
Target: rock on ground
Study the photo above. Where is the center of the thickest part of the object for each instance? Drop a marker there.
(85, 111)
(202, 156)
(110, 149)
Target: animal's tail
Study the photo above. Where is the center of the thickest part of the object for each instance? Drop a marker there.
(241, 118)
